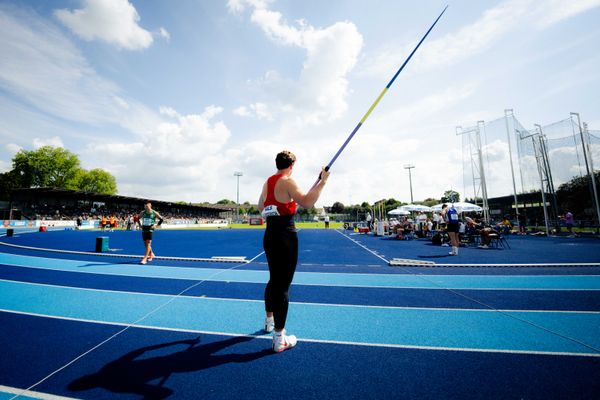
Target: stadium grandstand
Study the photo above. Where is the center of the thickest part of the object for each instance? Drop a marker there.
(62, 204)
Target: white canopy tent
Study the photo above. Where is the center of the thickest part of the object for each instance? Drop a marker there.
(399, 211)
(460, 206)
(416, 207)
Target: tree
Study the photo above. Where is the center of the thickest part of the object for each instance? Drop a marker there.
(95, 181)
(430, 202)
(252, 210)
(55, 167)
(9, 180)
(450, 196)
(337, 208)
(226, 202)
(46, 167)
(575, 195)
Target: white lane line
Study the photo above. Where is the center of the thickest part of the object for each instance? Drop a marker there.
(426, 278)
(28, 393)
(222, 259)
(127, 327)
(364, 247)
(204, 297)
(268, 337)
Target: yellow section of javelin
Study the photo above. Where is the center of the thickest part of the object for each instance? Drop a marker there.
(384, 91)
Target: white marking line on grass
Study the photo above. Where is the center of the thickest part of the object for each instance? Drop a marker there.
(130, 325)
(37, 395)
(340, 342)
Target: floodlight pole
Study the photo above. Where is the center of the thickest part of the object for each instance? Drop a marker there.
(535, 151)
(238, 174)
(509, 113)
(591, 174)
(480, 169)
(409, 167)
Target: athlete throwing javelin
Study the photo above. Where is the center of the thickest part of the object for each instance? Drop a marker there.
(277, 203)
(147, 222)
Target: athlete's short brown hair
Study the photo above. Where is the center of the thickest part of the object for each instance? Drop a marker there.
(285, 159)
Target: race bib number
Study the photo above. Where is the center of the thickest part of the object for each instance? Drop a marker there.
(270, 211)
(453, 217)
(146, 221)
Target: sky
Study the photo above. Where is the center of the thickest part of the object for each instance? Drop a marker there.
(173, 97)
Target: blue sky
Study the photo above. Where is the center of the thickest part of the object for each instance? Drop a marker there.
(172, 97)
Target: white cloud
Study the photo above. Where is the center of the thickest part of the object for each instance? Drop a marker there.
(239, 6)
(12, 148)
(163, 33)
(320, 92)
(5, 166)
(554, 11)
(54, 141)
(44, 69)
(112, 21)
(493, 25)
(179, 159)
(260, 111)
(242, 111)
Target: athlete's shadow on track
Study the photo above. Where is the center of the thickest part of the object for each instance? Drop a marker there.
(129, 374)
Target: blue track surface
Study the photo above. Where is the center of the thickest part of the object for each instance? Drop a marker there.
(88, 326)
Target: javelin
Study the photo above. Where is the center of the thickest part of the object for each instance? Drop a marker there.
(384, 91)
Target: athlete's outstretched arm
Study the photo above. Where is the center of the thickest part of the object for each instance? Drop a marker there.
(309, 199)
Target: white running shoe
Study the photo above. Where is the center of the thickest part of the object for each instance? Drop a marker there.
(452, 253)
(269, 324)
(282, 342)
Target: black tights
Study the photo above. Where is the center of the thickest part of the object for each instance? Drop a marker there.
(281, 248)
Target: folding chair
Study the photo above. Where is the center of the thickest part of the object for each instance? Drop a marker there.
(499, 241)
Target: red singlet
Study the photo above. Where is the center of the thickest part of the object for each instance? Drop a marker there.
(282, 208)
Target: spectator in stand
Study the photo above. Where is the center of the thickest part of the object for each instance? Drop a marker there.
(112, 223)
(136, 221)
(505, 225)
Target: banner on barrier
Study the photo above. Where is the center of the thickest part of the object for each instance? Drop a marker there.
(17, 223)
(183, 226)
(54, 223)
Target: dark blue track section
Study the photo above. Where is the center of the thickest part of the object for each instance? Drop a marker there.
(198, 244)
(428, 298)
(523, 249)
(143, 363)
(260, 264)
(323, 251)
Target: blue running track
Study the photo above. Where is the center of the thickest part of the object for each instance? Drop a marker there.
(522, 322)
